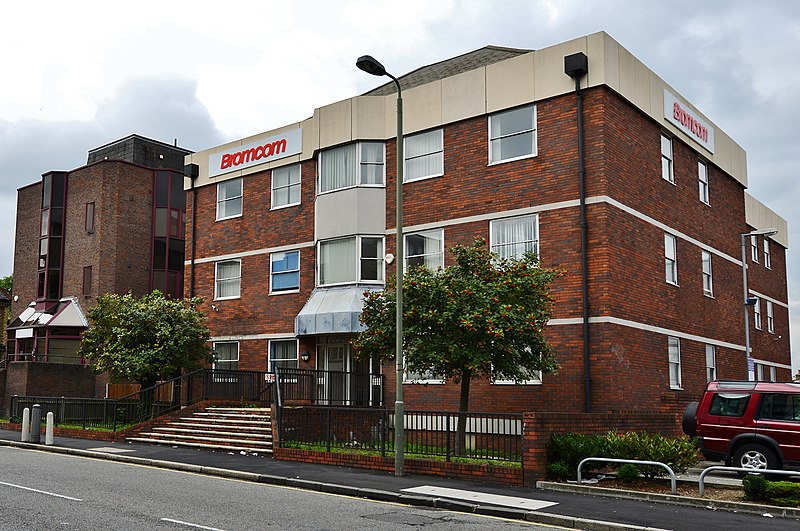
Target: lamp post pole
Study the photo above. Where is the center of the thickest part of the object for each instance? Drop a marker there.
(746, 299)
(370, 65)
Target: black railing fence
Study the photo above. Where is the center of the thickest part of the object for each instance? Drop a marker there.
(492, 436)
(332, 388)
(246, 387)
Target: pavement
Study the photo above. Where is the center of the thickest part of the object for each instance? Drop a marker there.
(568, 506)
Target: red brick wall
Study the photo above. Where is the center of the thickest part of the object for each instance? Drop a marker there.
(625, 257)
(48, 379)
(26, 246)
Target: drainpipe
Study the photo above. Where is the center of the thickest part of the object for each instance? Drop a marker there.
(192, 171)
(576, 66)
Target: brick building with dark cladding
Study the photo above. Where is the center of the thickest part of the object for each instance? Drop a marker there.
(112, 226)
(293, 225)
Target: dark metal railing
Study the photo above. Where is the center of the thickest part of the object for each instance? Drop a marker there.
(491, 436)
(330, 388)
(246, 387)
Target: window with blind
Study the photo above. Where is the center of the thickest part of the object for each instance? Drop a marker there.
(513, 237)
(423, 155)
(351, 260)
(283, 354)
(228, 279)
(359, 164)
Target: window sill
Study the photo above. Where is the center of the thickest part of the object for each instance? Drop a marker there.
(229, 217)
(280, 207)
(709, 295)
(496, 162)
(351, 187)
(672, 182)
(671, 388)
(284, 292)
(706, 203)
(227, 298)
(417, 179)
(509, 382)
(423, 382)
(673, 284)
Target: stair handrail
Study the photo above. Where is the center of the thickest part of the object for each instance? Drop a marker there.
(278, 405)
(152, 389)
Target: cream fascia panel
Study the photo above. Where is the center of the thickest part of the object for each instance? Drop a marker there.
(464, 95)
(510, 83)
(369, 117)
(550, 79)
(603, 55)
(760, 216)
(422, 107)
(335, 123)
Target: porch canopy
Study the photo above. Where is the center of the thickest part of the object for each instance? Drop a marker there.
(332, 311)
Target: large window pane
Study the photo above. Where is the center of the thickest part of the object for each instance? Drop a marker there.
(425, 249)
(670, 258)
(285, 271)
(512, 134)
(337, 261)
(229, 199)
(513, 237)
(424, 156)
(286, 186)
(228, 278)
(372, 163)
(283, 354)
(337, 168)
(372, 259)
(674, 346)
(226, 356)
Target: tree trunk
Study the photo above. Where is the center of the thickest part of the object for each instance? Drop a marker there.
(463, 407)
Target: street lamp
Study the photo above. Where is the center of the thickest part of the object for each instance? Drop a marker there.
(370, 65)
(747, 300)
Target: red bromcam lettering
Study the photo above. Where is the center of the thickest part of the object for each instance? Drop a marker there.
(688, 121)
(240, 157)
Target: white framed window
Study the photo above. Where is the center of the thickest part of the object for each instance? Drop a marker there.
(425, 249)
(671, 258)
(702, 177)
(674, 346)
(226, 355)
(423, 155)
(773, 374)
(513, 237)
(759, 372)
(708, 282)
(767, 255)
(512, 134)
(283, 354)
(757, 314)
(421, 377)
(227, 279)
(350, 260)
(284, 274)
(285, 186)
(534, 378)
(711, 363)
(754, 248)
(770, 318)
(229, 199)
(666, 159)
(359, 164)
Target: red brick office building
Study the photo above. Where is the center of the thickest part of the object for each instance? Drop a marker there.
(290, 227)
(112, 226)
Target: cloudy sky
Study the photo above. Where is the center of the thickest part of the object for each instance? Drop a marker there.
(80, 74)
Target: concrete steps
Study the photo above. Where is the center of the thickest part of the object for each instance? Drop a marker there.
(230, 429)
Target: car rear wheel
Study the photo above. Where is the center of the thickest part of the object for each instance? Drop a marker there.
(755, 456)
(689, 423)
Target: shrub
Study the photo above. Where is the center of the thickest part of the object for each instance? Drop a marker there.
(558, 470)
(627, 473)
(570, 448)
(755, 487)
(784, 493)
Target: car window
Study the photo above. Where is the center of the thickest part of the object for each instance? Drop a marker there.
(729, 404)
(781, 407)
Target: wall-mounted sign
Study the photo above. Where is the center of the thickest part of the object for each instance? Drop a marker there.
(267, 150)
(688, 121)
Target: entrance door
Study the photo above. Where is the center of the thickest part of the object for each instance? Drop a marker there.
(345, 380)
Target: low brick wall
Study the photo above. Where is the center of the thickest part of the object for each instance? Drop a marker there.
(489, 474)
(539, 427)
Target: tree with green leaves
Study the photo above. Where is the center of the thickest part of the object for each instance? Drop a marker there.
(147, 338)
(7, 283)
(481, 318)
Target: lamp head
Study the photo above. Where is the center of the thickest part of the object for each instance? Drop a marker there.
(370, 65)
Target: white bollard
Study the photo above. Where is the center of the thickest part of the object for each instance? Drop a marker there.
(48, 432)
(26, 425)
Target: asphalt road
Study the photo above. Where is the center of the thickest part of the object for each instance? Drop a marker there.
(43, 491)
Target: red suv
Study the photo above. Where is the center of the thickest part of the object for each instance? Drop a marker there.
(748, 424)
